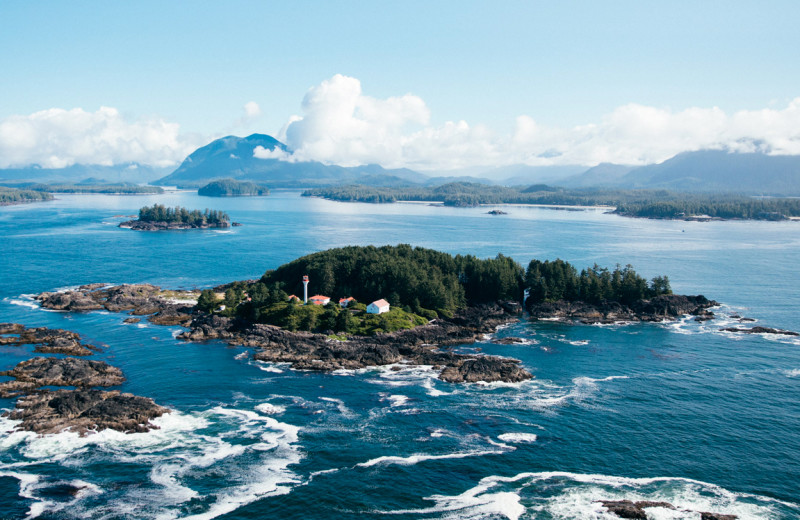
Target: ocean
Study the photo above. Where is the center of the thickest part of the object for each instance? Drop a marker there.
(678, 412)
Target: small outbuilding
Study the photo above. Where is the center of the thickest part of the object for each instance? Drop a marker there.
(378, 307)
(318, 299)
(344, 302)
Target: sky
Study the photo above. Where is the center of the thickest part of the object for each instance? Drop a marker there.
(428, 85)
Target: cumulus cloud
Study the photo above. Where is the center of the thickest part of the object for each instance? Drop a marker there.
(252, 110)
(57, 138)
(341, 125)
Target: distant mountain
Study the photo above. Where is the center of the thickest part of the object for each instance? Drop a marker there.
(521, 174)
(233, 157)
(719, 170)
(601, 176)
(125, 172)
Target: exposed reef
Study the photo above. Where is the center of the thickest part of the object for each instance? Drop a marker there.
(84, 410)
(659, 308)
(140, 299)
(47, 341)
(760, 330)
(81, 408)
(638, 510)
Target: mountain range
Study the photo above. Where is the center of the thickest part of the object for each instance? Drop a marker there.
(262, 159)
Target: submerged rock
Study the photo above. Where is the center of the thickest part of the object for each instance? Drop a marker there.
(760, 330)
(85, 410)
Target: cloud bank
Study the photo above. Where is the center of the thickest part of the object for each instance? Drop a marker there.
(340, 125)
(57, 138)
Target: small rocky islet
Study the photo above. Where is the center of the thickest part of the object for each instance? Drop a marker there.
(161, 218)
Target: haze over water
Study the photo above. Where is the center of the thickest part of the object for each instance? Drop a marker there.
(680, 412)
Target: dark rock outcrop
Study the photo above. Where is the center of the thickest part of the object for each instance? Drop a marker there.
(85, 410)
(140, 299)
(660, 308)
(509, 340)
(47, 341)
(760, 330)
(637, 510)
(80, 409)
(42, 371)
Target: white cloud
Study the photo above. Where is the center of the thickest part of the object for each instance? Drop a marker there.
(260, 152)
(57, 138)
(251, 110)
(341, 125)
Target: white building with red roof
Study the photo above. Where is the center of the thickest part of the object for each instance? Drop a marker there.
(378, 307)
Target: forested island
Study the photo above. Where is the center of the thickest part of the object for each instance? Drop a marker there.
(426, 300)
(232, 188)
(123, 188)
(9, 196)
(660, 204)
(159, 217)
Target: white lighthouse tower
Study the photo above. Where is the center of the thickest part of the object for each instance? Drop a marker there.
(305, 289)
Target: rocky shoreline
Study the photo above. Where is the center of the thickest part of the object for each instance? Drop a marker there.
(660, 308)
(80, 408)
(310, 351)
(417, 346)
(147, 225)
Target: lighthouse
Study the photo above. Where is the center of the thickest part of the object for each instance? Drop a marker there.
(305, 289)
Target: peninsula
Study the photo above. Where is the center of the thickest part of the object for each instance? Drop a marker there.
(160, 218)
(421, 301)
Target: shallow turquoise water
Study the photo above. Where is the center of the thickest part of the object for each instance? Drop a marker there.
(678, 412)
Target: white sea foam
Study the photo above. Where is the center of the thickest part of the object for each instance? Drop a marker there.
(241, 355)
(793, 373)
(578, 342)
(343, 409)
(571, 495)
(23, 302)
(398, 400)
(268, 367)
(254, 464)
(270, 409)
(412, 460)
(518, 437)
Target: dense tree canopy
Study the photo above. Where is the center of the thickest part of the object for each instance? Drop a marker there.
(160, 213)
(419, 283)
(15, 196)
(559, 280)
(232, 188)
(635, 203)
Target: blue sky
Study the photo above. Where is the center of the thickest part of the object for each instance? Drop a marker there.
(563, 65)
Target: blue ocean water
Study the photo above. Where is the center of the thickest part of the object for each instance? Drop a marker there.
(678, 412)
